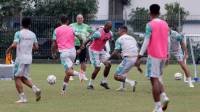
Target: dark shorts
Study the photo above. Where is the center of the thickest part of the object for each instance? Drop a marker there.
(82, 56)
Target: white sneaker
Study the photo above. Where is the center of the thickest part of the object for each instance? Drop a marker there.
(71, 78)
(84, 77)
(38, 95)
(22, 101)
(191, 85)
(133, 84)
(121, 89)
(165, 103)
(158, 110)
(63, 93)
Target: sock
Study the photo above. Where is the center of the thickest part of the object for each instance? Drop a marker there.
(65, 86)
(75, 73)
(35, 88)
(91, 82)
(22, 96)
(104, 80)
(189, 80)
(164, 96)
(157, 105)
(122, 84)
(128, 81)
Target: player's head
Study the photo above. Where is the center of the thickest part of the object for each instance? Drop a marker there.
(122, 30)
(79, 19)
(108, 26)
(64, 20)
(26, 22)
(154, 10)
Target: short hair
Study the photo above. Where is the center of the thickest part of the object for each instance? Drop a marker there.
(154, 9)
(124, 28)
(64, 19)
(26, 22)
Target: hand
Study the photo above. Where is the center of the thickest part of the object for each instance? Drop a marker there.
(78, 51)
(139, 69)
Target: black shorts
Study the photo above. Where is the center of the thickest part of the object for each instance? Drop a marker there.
(82, 56)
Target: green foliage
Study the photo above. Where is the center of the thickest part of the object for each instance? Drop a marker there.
(63, 7)
(139, 18)
(172, 15)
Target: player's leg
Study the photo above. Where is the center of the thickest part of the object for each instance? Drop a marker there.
(104, 59)
(94, 58)
(28, 82)
(187, 73)
(154, 71)
(179, 56)
(123, 69)
(18, 83)
(83, 63)
(67, 59)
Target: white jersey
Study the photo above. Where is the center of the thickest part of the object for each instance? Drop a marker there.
(127, 44)
(25, 40)
(175, 42)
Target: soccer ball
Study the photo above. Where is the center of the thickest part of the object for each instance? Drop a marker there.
(178, 76)
(51, 79)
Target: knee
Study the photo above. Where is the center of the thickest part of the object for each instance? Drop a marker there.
(108, 65)
(97, 68)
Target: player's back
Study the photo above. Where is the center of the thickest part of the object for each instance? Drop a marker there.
(64, 37)
(158, 46)
(128, 45)
(26, 39)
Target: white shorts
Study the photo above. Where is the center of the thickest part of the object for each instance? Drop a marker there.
(126, 65)
(98, 57)
(67, 58)
(179, 56)
(22, 70)
(154, 67)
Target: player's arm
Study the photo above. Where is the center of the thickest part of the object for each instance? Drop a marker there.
(144, 45)
(54, 45)
(93, 36)
(35, 44)
(14, 44)
(116, 50)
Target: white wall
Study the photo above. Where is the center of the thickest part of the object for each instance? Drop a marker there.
(191, 28)
(103, 9)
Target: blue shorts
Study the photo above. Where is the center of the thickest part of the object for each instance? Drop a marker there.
(126, 65)
(67, 58)
(98, 57)
(22, 70)
(154, 67)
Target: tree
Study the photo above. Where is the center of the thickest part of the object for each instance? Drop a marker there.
(64, 7)
(172, 16)
(138, 19)
(13, 7)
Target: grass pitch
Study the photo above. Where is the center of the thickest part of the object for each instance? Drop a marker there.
(79, 99)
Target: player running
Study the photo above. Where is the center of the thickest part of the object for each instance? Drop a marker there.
(156, 43)
(126, 45)
(24, 41)
(63, 40)
(98, 55)
(177, 43)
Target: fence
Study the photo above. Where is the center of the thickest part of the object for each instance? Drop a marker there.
(44, 26)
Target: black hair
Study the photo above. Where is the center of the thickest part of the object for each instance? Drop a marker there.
(26, 22)
(154, 9)
(64, 19)
(124, 28)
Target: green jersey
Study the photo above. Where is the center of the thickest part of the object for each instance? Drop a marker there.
(82, 30)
